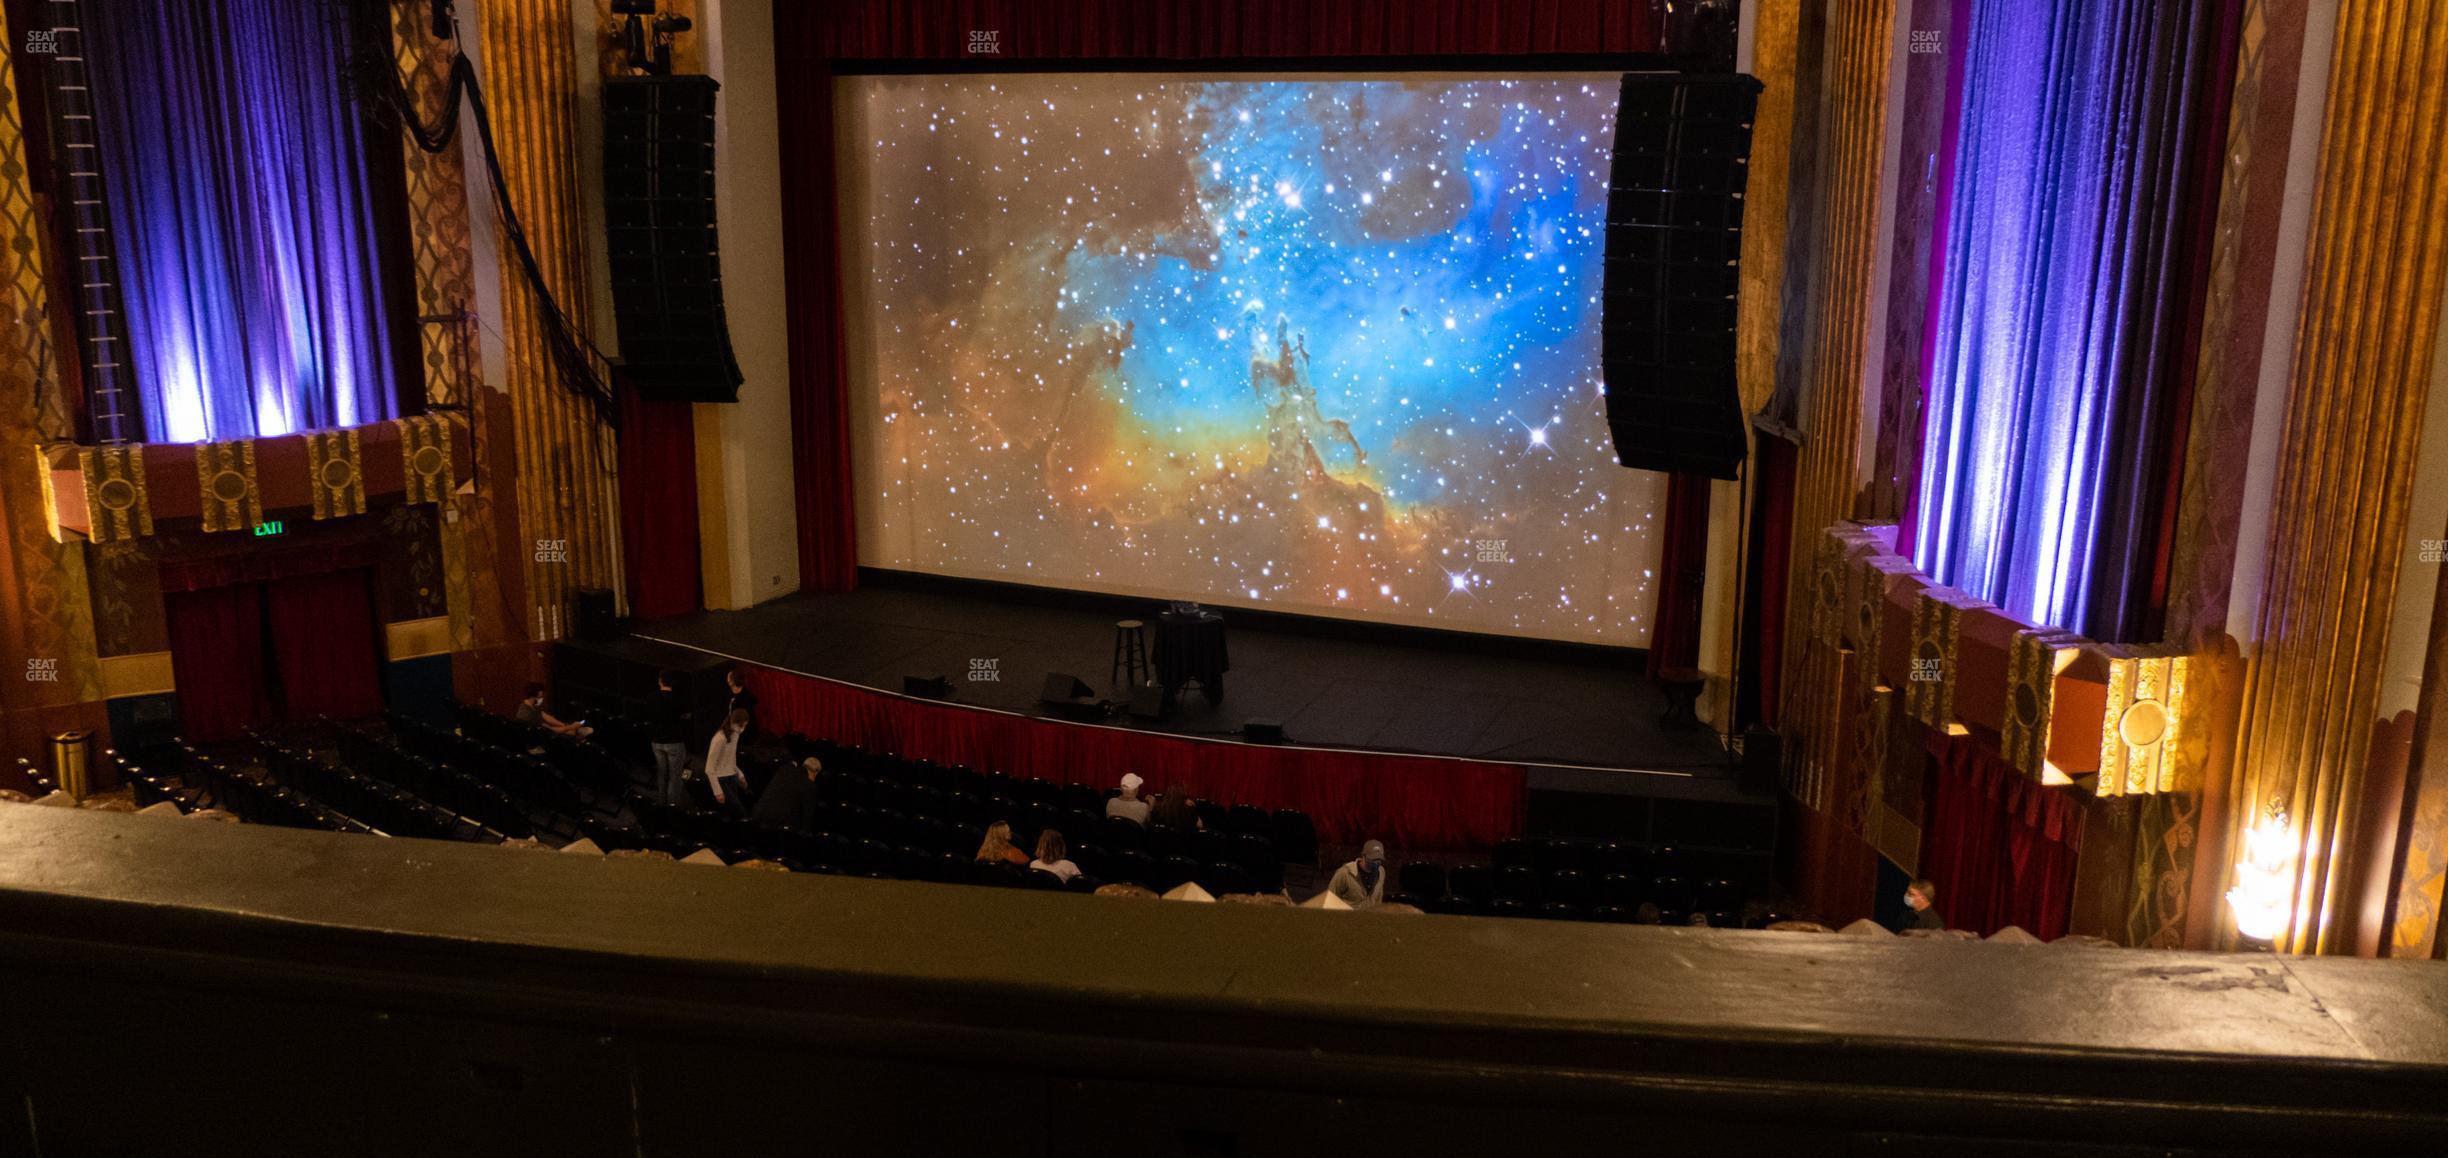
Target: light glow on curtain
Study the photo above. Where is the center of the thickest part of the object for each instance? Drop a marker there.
(2050, 402)
(234, 158)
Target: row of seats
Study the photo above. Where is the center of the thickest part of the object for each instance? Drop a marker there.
(383, 806)
(1565, 892)
(384, 758)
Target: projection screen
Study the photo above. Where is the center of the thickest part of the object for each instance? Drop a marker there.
(1320, 344)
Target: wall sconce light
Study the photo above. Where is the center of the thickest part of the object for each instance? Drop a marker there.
(2263, 897)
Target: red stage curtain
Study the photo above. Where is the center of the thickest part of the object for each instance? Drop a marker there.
(1413, 803)
(1999, 846)
(216, 655)
(658, 501)
(323, 629)
(1763, 651)
(1674, 635)
(808, 38)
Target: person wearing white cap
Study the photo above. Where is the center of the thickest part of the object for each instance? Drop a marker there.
(1128, 806)
(1360, 883)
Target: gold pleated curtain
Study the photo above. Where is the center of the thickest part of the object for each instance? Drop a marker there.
(2364, 343)
(46, 625)
(1853, 143)
(567, 488)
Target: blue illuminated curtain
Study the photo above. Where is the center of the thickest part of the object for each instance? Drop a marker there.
(2064, 321)
(235, 162)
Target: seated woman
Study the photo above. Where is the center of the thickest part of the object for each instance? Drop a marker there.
(1053, 856)
(997, 848)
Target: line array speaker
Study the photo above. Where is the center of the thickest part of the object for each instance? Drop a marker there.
(666, 266)
(1673, 243)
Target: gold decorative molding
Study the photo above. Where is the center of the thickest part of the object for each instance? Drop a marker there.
(2033, 662)
(335, 473)
(425, 457)
(1929, 682)
(226, 486)
(2143, 722)
(116, 500)
(144, 674)
(417, 638)
(2367, 327)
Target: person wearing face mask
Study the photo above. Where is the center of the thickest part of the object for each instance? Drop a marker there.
(1360, 883)
(1921, 905)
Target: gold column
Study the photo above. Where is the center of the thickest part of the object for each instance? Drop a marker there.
(567, 487)
(47, 627)
(446, 305)
(2364, 342)
(1853, 142)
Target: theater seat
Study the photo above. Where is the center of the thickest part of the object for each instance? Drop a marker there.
(1567, 887)
(1518, 883)
(1295, 837)
(1421, 882)
(1473, 883)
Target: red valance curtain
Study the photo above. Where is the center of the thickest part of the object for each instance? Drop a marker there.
(1674, 634)
(1999, 846)
(658, 506)
(809, 38)
(323, 645)
(1410, 802)
(217, 658)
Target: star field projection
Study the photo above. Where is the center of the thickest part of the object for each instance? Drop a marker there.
(1321, 345)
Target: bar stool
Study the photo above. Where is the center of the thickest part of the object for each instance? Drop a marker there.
(1130, 656)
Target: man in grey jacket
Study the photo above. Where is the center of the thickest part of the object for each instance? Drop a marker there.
(1360, 882)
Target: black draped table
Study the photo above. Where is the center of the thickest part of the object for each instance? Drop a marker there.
(1190, 646)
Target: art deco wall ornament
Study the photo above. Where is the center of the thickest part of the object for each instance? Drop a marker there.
(226, 487)
(117, 505)
(2144, 716)
(425, 454)
(2033, 662)
(1929, 682)
(335, 474)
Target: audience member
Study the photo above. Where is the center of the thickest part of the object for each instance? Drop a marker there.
(531, 711)
(1054, 856)
(998, 848)
(1921, 907)
(1174, 808)
(1360, 883)
(1128, 806)
(790, 801)
(743, 701)
(722, 763)
(667, 734)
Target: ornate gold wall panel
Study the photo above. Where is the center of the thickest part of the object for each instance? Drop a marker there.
(2143, 722)
(2032, 664)
(48, 614)
(567, 491)
(1852, 130)
(2365, 336)
(225, 480)
(335, 473)
(1759, 298)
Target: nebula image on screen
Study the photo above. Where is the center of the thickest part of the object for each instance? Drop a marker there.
(1320, 345)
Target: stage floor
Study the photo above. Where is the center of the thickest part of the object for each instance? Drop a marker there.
(1327, 692)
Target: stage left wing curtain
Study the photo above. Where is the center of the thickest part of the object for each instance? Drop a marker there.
(234, 156)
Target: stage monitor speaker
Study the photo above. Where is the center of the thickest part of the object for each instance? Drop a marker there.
(928, 687)
(666, 266)
(1763, 760)
(1148, 702)
(1258, 731)
(1065, 688)
(1673, 247)
(598, 621)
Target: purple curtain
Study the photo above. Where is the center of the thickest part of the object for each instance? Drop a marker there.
(2057, 389)
(240, 202)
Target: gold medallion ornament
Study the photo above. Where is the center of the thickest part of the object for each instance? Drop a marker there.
(425, 453)
(116, 503)
(2033, 662)
(2139, 730)
(225, 485)
(335, 474)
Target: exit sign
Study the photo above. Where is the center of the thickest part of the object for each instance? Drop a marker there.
(272, 527)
